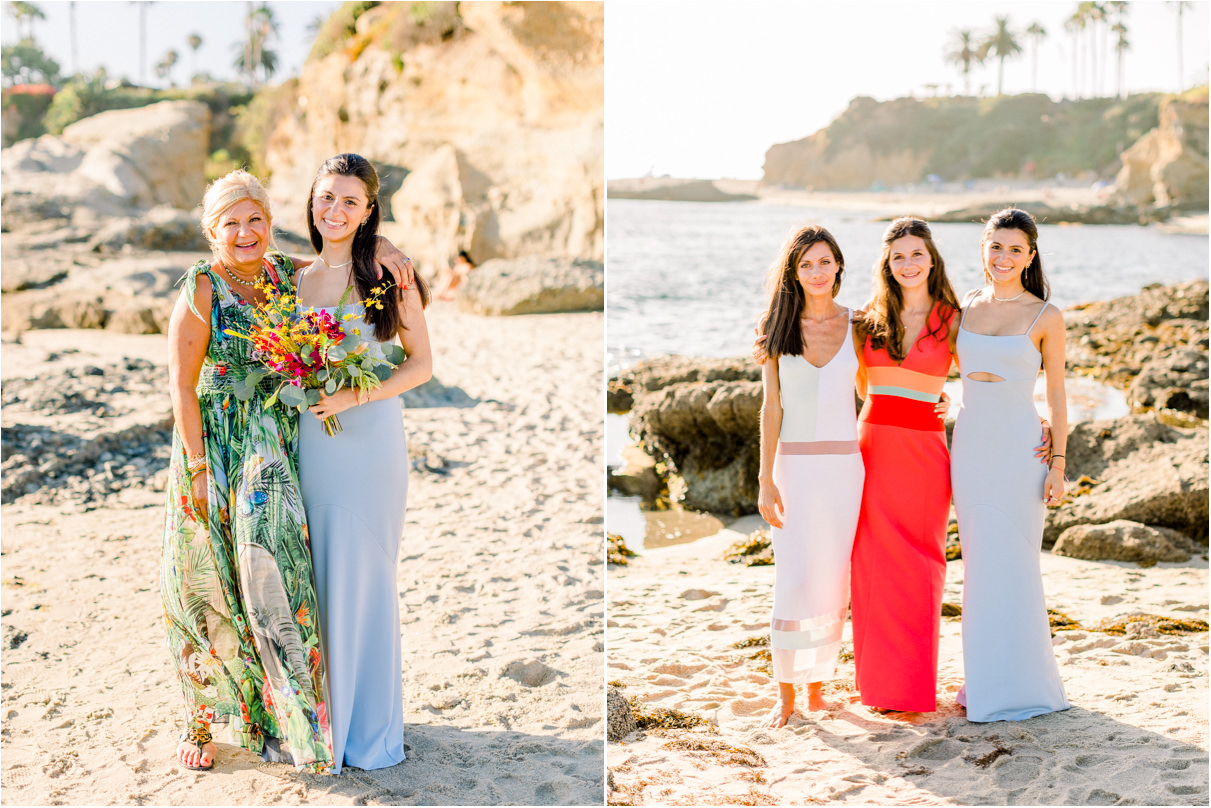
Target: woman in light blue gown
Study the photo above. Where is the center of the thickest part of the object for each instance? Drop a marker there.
(1001, 492)
(355, 483)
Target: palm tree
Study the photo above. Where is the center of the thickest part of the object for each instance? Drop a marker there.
(1117, 11)
(195, 42)
(1001, 43)
(1076, 25)
(1180, 6)
(142, 6)
(71, 19)
(1095, 13)
(254, 52)
(965, 53)
(1037, 33)
(25, 14)
(165, 66)
(1121, 46)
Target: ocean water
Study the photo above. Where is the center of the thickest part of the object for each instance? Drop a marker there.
(688, 277)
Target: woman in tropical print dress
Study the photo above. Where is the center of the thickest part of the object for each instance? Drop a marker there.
(236, 576)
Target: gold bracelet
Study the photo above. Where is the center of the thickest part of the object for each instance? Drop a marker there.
(195, 462)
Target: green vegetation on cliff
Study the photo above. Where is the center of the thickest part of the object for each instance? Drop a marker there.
(961, 138)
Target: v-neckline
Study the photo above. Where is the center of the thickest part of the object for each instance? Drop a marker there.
(921, 333)
(849, 322)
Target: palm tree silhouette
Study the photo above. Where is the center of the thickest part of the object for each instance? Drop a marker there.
(1001, 43)
(965, 53)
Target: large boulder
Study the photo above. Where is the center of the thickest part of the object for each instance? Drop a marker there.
(490, 113)
(534, 286)
(1168, 166)
(111, 164)
(1122, 540)
(1137, 469)
(657, 373)
(706, 434)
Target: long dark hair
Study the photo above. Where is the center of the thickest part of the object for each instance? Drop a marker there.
(883, 321)
(1033, 277)
(786, 295)
(386, 320)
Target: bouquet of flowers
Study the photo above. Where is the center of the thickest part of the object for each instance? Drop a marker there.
(309, 351)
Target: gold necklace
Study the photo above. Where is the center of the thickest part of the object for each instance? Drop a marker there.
(250, 283)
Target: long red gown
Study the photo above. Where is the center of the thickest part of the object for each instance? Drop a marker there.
(898, 566)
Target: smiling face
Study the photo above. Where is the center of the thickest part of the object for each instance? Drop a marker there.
(817, 270)
(241, 236)
(1007, 253)
(339, 205)
(910, 261)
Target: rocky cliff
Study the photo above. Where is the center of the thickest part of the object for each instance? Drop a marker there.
(904, 140)
(1168, 166)
(485, 120)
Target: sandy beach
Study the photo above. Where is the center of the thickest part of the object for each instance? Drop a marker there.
(1136, 733)
(501, 579)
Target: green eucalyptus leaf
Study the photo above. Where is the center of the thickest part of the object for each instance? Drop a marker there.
(394, 353)
(313, 397)
(330, 387)
(382, 371)
(336, 353)
(355, 371)
(322, 374)
(350, 342)
(292, 396)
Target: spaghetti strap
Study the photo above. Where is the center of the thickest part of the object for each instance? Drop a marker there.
(1037, 316)
(964, 305)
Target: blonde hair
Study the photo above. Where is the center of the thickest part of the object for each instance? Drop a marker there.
(228, 190)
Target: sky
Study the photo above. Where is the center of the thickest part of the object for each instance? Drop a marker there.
(703, 89)
(108, 35)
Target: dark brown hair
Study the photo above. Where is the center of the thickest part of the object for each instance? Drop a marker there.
(387, 320)
(883, 321)
(786, 295)
(1016, 219)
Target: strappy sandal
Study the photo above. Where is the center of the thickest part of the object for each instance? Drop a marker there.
(199, 737)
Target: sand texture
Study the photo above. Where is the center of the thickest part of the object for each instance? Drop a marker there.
(1136, 733)
(501, 579)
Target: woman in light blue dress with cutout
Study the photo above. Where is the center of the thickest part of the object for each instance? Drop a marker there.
(1001, 492)
(355, 483)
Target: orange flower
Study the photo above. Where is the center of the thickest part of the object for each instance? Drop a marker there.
(303, 615)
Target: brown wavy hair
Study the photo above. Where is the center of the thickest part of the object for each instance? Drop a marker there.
(386, 320)
(1033, 277)
(786, 296)
(882, 321)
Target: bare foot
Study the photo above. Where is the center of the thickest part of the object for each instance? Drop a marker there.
(815, 700)
(778, 716)
(189, 754)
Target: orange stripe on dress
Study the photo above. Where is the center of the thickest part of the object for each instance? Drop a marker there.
(903, 377)
(818, 447)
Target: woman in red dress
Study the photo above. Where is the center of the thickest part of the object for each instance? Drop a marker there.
(898, 565)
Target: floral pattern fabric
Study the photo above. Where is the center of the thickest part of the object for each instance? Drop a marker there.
(238, 589)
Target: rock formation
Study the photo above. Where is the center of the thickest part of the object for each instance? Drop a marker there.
(1153, 344)
(1135, 468)
(1121, 540)
(534, 286)
(116, 163)
(1168, 166)
(485, 119)
(706, 433)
